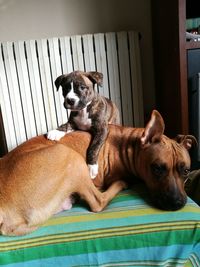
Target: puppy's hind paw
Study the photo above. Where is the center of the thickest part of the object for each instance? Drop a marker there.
(93, 169)
(55, 135)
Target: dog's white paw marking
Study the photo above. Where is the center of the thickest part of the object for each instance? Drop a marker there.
(93, 169)
(55, 135)
(69, 131)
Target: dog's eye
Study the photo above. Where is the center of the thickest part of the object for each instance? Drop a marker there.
(183, 170)
(185, 175)
(186, 172)
(82, 87)
(158, 169)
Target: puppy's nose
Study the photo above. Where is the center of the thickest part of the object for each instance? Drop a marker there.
(70, 101)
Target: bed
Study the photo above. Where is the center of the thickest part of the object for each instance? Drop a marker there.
(129, 232)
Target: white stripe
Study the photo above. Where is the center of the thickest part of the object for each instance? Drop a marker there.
(72, 94)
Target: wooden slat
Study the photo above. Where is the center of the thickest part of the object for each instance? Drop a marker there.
(77, 52)
(14, 92)
(66, 56)
(6, 109)
(35, 84)
(136, 79)
(25, 89)
(46, 81)
(89, 56)
(125, 79)
(113, 71)
(101, 62)
(56, 70)
(66, 60)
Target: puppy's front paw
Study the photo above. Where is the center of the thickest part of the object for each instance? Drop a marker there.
(55, 135)
(93, 169)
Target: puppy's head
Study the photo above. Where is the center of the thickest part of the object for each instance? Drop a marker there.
(78, 88)
(164, 164)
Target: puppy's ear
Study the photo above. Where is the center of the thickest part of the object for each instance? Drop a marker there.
(187, 141)
(95, 77)
(59, 81)
(154, 129)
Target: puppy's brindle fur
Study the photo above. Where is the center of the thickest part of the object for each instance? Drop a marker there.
(89, 111)
(46, 173)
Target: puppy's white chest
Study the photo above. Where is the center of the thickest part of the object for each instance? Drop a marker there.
(82, 120)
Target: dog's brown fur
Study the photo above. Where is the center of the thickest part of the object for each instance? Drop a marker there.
(37, 176)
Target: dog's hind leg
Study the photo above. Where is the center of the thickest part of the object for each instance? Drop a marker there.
(17, 230)
(99, 200)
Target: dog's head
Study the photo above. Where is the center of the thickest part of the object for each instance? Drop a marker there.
(164, 164)
(78, 88)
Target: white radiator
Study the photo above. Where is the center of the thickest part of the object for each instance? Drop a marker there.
(29, 102)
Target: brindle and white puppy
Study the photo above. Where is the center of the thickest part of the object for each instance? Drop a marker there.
(89, 111)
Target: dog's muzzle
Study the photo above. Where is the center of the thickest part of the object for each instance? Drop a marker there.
(74, 104)
(70, 101)
(167, 201)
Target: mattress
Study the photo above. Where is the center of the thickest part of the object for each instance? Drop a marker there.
(129, 232)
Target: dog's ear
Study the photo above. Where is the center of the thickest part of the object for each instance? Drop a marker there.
(154, 129)
(187, 141)
(95, 77)
(59, 81)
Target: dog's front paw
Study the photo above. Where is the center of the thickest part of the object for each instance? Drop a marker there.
(93, 169)
(122, 184)
(55, 135)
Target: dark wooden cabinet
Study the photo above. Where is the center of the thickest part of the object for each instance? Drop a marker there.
(3, 147)
(170, 59)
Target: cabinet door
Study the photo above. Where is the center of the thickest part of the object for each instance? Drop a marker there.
(193, 59)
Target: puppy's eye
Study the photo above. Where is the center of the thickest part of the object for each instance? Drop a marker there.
(158, 169)
(82, 87)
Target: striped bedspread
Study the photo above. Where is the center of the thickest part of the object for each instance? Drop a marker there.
(129, 232)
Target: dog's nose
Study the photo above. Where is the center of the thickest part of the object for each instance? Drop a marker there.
(70, 101)
(170, 202)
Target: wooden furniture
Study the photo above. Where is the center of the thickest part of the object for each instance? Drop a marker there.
(3, 149)
(170, 59)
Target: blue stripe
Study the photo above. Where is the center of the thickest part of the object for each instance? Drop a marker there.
(179, 252)
(107, 223)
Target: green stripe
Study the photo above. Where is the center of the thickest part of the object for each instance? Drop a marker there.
(112, 214)
(64, 246)
(169, 262)
(106, 232)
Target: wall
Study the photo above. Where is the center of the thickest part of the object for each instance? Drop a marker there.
(34, 19)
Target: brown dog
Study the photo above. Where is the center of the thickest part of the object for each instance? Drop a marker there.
(89, 112)
(37, 177)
